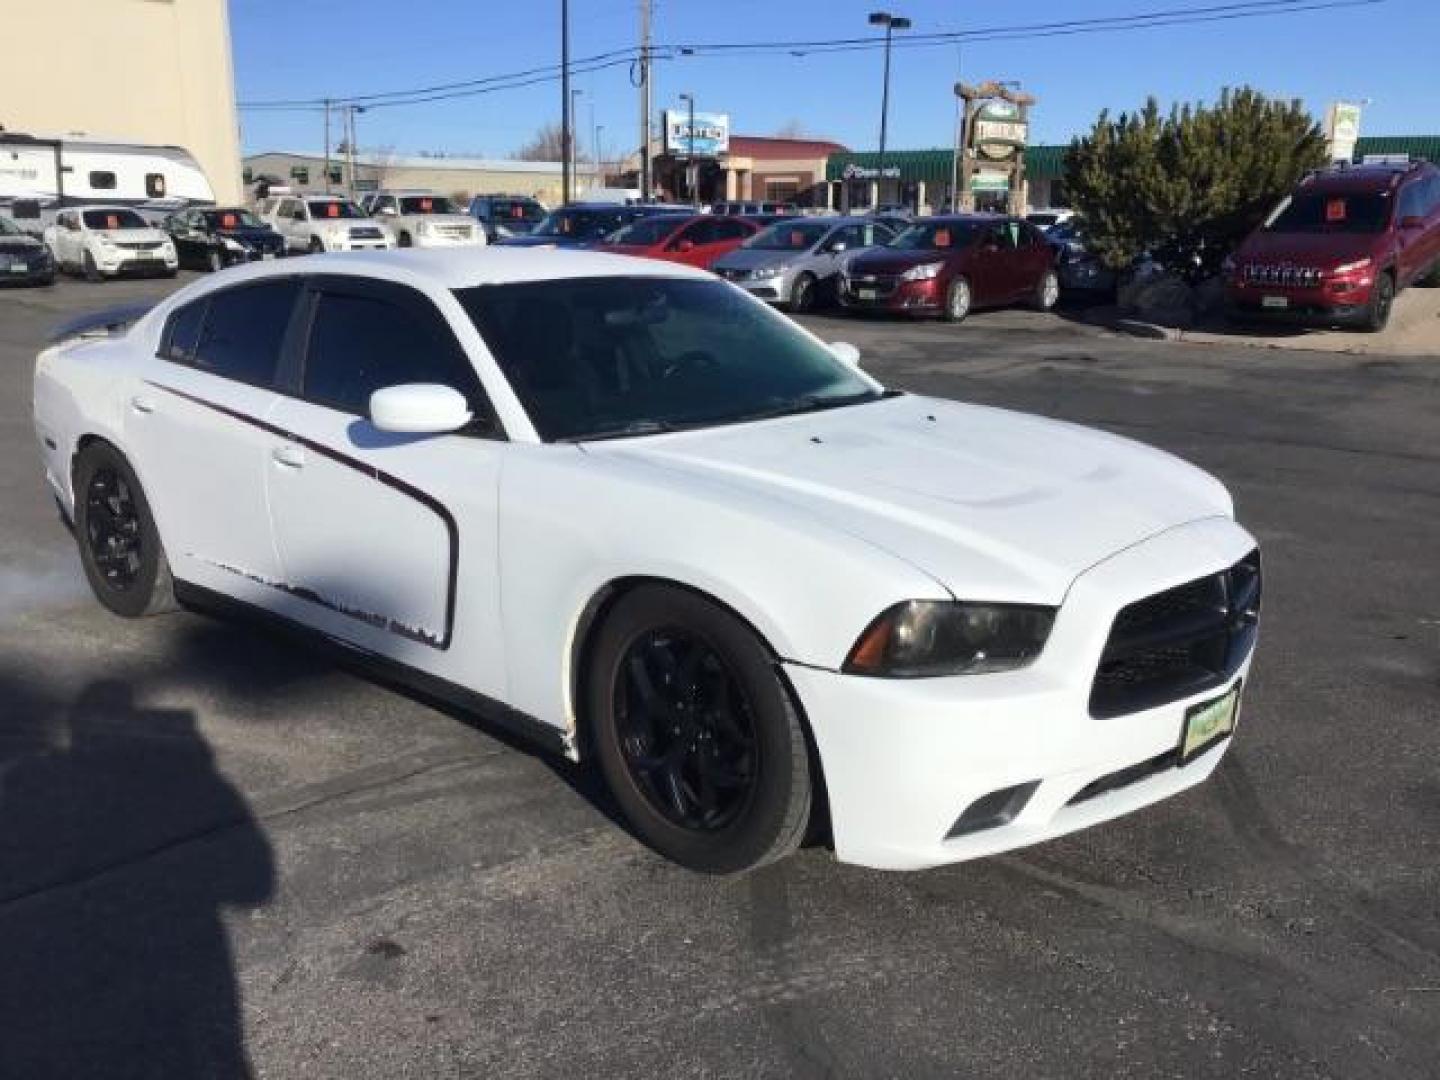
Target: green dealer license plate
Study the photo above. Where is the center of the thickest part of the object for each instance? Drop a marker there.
(1207, 723)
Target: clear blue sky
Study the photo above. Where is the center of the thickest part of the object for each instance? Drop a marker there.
(314, 48)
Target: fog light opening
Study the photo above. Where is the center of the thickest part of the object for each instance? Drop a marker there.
(997, 808)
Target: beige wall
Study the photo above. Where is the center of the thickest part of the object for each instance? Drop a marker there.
(150, 71)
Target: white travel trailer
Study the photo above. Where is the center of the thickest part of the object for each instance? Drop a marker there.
(41, 174)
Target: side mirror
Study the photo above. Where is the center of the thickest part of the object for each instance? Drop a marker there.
(1411, 221)
(846, 353)
(419, 409)
(838, 246)
(684, 244)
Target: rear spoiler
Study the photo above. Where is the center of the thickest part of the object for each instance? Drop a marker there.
(99, 323)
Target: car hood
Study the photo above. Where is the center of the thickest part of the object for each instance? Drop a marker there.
(21, 242)
(250, 235)
(754, 259)
(531, 240)
(994, 505)
(1311, 249)
(132, 236)
(887, 261)
(441, 219)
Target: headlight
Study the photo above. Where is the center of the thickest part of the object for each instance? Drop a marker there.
(923, 272)
(921, 638)
(233, 245)
(1351, 267)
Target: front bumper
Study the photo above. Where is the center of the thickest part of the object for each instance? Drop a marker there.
(26, 270)
(433, 240)
(904, 759)
(1330, 303)
(131, 265)
(903, 297)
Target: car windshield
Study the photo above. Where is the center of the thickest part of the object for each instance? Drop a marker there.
(610, 357)
(582, 224)
(789, 236)
(516, 211)
(1042, 221)
(939, 235)
(426, 204)
(646, 231)
(114, 219)
(1332, 212)
(334, 208)
(232, 219)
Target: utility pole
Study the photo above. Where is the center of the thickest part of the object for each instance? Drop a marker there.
(891, 24)
(645, 182)
(575, 140)
(566, 129)
(692, 174)
(327, 146)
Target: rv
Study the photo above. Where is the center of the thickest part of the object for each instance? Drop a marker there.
(40, 175)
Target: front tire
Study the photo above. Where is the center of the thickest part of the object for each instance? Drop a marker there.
(90, 270)
(802, 294)
(405, 240)
(215, 261)
(316, 247)
(119, 544)
(1382, 299)
(958, 300)
(696, 733)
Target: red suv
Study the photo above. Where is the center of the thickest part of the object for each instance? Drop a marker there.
(1341, 246)
(951, 265)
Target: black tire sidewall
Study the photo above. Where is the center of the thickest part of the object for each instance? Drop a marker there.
(1379, 316)
(140, 598)
(758, 834)
(802, 293)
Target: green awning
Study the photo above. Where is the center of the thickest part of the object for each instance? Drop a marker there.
(933, 166)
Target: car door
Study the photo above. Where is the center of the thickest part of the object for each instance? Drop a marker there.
(1034, 258)
(386, 540)
(197, 429)
(691, 245)
(1411, 240)
(991, 267)
(729, 233)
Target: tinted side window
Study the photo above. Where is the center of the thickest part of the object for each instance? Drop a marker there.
(730, 229)
(102, 181)
(702, 232)
(244, 331)
(182, 332)
(360, 344)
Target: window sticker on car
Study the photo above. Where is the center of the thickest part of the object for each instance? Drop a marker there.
(227, 221)
(942, 238)
(426, 205)
(112, 221)
(1335, 210)
(517, 211)
(332, 210)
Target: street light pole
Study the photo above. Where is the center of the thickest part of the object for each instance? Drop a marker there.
(691, 172)
(574, 147)
(565, 126)
(891, 24)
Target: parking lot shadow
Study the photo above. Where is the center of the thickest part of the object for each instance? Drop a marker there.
(120, 846)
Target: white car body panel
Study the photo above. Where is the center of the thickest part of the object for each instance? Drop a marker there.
(114, 251)
(477, 560)
(423, 230)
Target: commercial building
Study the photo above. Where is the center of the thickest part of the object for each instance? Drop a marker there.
(922, 179)
(142, 71)
(750, 168)
(443, 175)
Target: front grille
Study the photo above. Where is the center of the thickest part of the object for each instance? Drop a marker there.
(1180, 642)
(881, 284)
(140, 245)
(364, 233)
(1282, 274)
(453, 232)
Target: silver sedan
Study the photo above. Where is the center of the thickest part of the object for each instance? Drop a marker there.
(797, 262)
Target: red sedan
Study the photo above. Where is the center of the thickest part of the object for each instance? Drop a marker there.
(694, 241)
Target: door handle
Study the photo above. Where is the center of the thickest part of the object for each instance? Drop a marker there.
(142, 404)
(289, 455)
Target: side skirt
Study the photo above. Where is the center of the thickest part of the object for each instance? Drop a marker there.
(383, 670)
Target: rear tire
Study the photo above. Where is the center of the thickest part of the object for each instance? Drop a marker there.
(1432, 279)
(316, 247)
(90, 270)
(1047, 292)
(958, 301)
(119, 544)
(696, 733)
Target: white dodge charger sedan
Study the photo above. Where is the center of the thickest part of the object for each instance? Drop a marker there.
(626, 508)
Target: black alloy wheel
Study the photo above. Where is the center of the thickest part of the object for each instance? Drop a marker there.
(686, 729)
(120, 548)
(802, 293)
(696, 733)
(1382, 299)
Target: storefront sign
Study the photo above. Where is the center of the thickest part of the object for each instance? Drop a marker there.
(998, 132)
(1342, 129)
(711, 136)
(990, 181)
(864, 172)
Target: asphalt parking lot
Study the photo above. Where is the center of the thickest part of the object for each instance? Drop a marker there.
(220, 852)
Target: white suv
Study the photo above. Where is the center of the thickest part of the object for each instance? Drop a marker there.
(323, 223)
(107, 241)
(422, 219)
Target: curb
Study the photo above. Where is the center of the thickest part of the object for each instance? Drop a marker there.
(1106, 317)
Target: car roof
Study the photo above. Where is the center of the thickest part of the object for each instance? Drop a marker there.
(1362, 178)
(463, 268)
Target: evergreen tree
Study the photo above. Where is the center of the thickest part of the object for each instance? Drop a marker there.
(1189, 186)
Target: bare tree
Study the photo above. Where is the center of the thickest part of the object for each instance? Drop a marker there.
(548, 144)
(791, 129)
